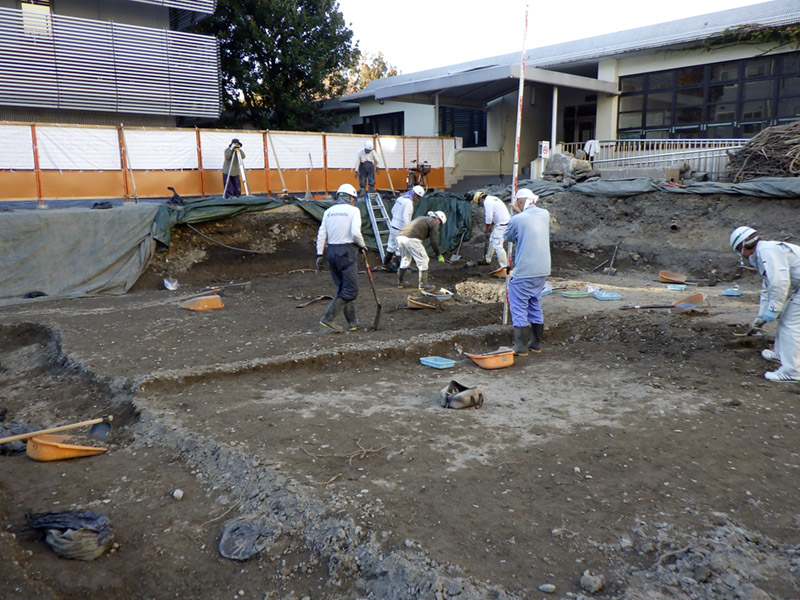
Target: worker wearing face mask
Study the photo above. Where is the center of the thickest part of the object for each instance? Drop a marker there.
(778, 263)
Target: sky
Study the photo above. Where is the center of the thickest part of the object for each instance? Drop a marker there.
(414, 36)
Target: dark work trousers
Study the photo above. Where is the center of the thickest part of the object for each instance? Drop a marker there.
(343, 263)
(366, 175)
(232, 185)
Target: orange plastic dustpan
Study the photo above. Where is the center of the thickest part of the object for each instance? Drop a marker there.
(670, 277)
(49, 447)
(499, 359)
(204, 303)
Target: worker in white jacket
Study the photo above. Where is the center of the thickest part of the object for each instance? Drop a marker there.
(340, 231)
(402, 211)
(496, 218)
(778, 263)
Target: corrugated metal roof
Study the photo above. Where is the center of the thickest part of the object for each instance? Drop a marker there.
(681, 31)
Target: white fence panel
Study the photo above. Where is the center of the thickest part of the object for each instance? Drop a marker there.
(343, 150)
(78, 148)
(150, 150)
(213, 144)
(295, 151)
(16, 147)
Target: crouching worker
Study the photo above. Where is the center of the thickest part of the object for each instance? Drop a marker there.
(529, 231)
(401, 216)
(409, 244)
(341, 230)
(778, 263)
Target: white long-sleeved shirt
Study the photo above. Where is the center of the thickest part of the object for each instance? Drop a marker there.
(402, 211)
(778, 263)
(341, 224)
(495, 211)
(364, 156)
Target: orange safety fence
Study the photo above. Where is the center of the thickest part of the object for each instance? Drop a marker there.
(51, 161)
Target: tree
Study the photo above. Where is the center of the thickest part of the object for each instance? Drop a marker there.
(373, 67)
(280, 59)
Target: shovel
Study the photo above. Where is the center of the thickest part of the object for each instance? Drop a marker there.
(308, 195)
(170, 283)
(100, 430)
(457, 256)
(317, 299)
(682, 305)
(670, 277)
(610, 270)
(374, 293)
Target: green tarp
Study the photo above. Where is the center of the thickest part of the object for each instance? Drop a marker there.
(458, 211)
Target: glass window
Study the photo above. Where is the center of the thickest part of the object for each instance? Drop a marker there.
(658, 118)
(790, 63)
(632, 84)
(631, 134)
(692, 114)
(757, 89)
(657, 134)
(659, 100)
(723, 93)
(759, 67)
(722, 112)
(756, 110)
(724, 72)
(789, 107)
(659, 81)
(750, 129)
(628, 120)
(691, 76)
(687, 133)
(721, 131)
(689, 96)
(627, 103)
(789, 86)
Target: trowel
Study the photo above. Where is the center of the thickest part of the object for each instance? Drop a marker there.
(170, 283)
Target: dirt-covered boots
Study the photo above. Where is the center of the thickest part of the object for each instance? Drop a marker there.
(537, 330)
(350, 315)
(401, 274)
(387, 262)
(331, 313)
(423, 281)
(521, 337)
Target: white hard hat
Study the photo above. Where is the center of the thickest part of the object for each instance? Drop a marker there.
(368, 146)
(524, 193)
(739, 236)
(441, 216)
(348, 189)
(418, 190)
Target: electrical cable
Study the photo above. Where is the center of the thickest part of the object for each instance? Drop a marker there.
(210, 239)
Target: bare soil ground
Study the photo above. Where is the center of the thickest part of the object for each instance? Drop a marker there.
(641, 455)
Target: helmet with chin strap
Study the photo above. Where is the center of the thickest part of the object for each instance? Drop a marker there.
(743, 237)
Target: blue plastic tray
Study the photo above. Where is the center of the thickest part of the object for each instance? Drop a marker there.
(601, 295)
(676, 287)
(732, 292)
(437, 362)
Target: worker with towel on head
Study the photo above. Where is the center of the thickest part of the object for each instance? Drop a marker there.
(366, 167)
(778, 263)
(341, 230)
(496, 218)
(409, 242)
(231, 172)
(402, 211)
(529, 231)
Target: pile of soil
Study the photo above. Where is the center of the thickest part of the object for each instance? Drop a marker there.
(641, 455)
